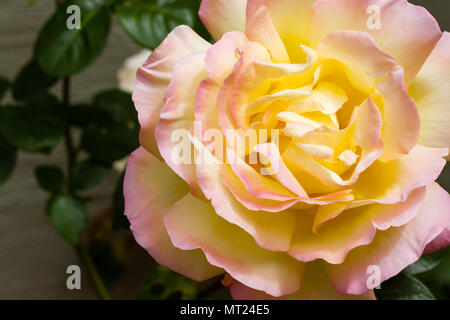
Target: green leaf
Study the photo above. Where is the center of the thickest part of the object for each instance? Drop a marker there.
(30, 2)
(119, 105)
(88, 174)
(8, 157)
(49, 203)
(444, 178)
(404, 287)
(4, 86)
(31, 82)
(35, 128)
(110, 143)
(50, 178)
(45, 101)
(438, 279)
(149, 21)
(424, 264)
(85, 115)
(68, 214)
(61, 51)
(118, 135)
(164, 284)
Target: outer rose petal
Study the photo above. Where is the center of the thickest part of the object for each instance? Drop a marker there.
(150, 188)
(315, 286)
(399, 214)
(440, 242)
(178, 114)
(227, 246)
(396, 248)
(430, 90)
(407, 32)
(220, 59)
(153, 78)
(350, 229)
(221, 16)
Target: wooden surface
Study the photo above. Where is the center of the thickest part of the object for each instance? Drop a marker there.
(33, 258)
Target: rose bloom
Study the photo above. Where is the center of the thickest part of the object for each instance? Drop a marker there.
(363, 112)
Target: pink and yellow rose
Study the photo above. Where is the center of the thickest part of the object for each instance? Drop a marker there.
(363, 119)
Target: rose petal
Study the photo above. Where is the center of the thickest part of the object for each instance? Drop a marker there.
(334, 239)
(440, 242)
(368, 125)
(270, 231)
(315, 286)
(256, 184)
(406, 32)
(430, 92)
(300, 161)
(291, 19)
(221, 57)
(252, 202)
(227, 246)
(221, 16)
(335, 230)
(326, 213)
(154, 76)
(401, 118)
(393, 181)
(220, 60)
(260, 29)
(177, 117)
(396, 248)
(150, 189)
(284, 176)
(362, 59)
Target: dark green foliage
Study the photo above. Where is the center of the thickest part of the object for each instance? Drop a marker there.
(149, 21)
(50, 178)
(61, 51)
(69, 215)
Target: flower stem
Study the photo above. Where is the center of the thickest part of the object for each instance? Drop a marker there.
(70, 150)
(81, 249)
(83, 253)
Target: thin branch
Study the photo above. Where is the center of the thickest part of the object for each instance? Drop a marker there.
(71, 152)
(68, 139)
(83, 253)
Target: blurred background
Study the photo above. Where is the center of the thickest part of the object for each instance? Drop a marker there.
(33, 255)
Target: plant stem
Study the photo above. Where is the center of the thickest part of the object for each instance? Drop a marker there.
(86, 259)
(81, 249)
(70, 150)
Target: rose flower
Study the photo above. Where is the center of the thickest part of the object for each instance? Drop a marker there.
(299, 151)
